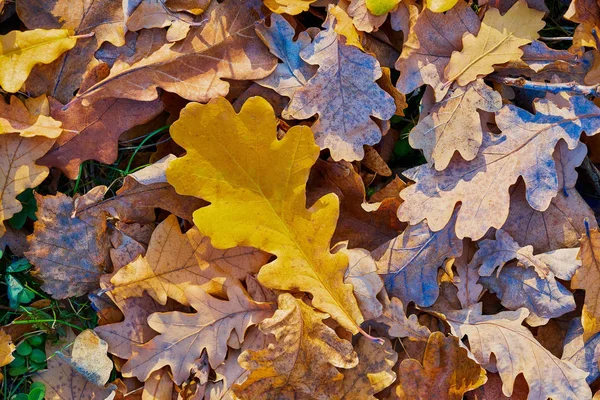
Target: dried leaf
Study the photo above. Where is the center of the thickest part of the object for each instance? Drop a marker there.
(154, 14)
(196, 67)
(19, 171)
(344, 94)
(447, 371)
(399, 324)
(467, 276)
(524, 149)
(357, 225)
(582, 353)
(426, 53)
(208, 329)
(409, 263)
(242, 157)
(291, 7)
(546, 375)
(102, 20)
(88, 357)
(440, 6)
(293, 72)
(6, 350)
(176, 261)
(363, 19)
(142, 192)
(587, 14)
(62, 381)
(70, 253)
(303, 359)
(91, 133)
(454, 125)
(498, 41)
(373, 372)
(21, 118)
(19, 52)
(586, 277)
(562, 223)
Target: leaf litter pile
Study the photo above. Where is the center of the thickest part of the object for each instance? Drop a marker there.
(299, 199)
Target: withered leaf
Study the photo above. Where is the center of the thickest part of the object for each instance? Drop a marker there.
(343, 93)
(357, 225)
(302, 360)
(409, 263)
(154, 14)
(546, 375)
(19, 171)
(524, 149)
(447, 372)
(22, 118)
(587, 14)
(91, 133)
(399, 324)
(175, 261)
(426, 53)
(209, 328)
(70, 254)
(196, 67)
(63, 77)
(454, 125)
(6, 349)
(587, 276)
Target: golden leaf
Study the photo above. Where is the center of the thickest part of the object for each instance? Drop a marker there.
(20, 51)
(23, 118)
(256, 187)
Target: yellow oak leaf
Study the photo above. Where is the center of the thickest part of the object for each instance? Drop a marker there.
(291, 7)
(303, 359)
(6, 350)
(498, 41)
(345, 27)
(20, 51)
(447, 372)
(256, 186)
(26, 119)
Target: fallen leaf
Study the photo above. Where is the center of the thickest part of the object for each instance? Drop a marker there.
(265, 209)
(586, 278)
(293, 72)
(467, 276)
(88, 357)
(291, 7)
(524, 149)
(19, 171)
(6, 350)
(359, 226)
(447, 371)
(200, 63)
(122, 337)
(174, 262)
(409, 263)
(582, 353)
(373, 372)
(362, 275)
(562, 223)
(399, 324)
(154, 14)
(587, 14)
(103, 20)
(91, 133)
(195, 7)
(303, 359)
(158, 385)
(454, 125)
(498, 41)
(363, 19)
(142, 192)
(343, 93)
(519, 353)
(209, 328)
(62, 381)
(70, 254)
(19, 53)
(344, 26)
(21, 118)
(426, 53)
(231, 372)
(440, 6)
